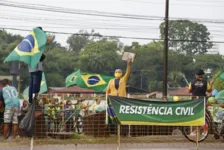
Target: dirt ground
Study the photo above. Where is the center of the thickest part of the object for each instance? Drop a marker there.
(127, 143)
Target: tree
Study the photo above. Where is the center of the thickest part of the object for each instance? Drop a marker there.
(175, 77)
(148, 65)
(78, 41)
(61, 63)
(193, 37)
(100, 56)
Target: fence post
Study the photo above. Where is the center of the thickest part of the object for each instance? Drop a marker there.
(118, 136)
(197, 139)
(106, 121)
(31, 143)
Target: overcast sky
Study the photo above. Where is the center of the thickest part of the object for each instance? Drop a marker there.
(20, 18)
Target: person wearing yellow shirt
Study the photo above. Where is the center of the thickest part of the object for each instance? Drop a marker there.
(52, 109)
(117, 86)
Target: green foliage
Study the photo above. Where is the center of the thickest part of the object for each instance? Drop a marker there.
(155, 86)
(78, 41)
(190, 33)
(148, 64)
(99, 57)
(175, 77)
(76, 135)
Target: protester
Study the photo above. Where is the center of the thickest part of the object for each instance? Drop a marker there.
(68, 112)
(9, 96)
(35, 79)
(24, 108)
(98, 106)
(199, 86)
(36, 75)
(56, 101)
(117, 86)
(97, 103)
(52, 109)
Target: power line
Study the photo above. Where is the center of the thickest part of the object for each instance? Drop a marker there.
(178, 4)
(122, 37)
(99, 14)
(70, 22)
(88, 28)
(113, 15)
(90, 11)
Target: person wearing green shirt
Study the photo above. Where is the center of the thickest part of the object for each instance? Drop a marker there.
(9, 97)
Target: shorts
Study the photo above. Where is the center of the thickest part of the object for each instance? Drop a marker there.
(11, 115)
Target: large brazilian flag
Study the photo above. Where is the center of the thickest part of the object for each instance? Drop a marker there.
(30, 49)
(97, 82)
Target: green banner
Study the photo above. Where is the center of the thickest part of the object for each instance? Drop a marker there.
(142, 112)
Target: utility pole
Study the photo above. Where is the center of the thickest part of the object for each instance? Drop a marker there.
(14, 71)
(165, 63)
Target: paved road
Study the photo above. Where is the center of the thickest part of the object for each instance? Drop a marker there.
(157, 146)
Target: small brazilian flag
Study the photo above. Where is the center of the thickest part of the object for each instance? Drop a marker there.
(30, 49)
(71, 79)
(43, 88)
(97, 82)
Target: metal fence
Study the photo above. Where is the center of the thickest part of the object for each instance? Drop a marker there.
(71, 122)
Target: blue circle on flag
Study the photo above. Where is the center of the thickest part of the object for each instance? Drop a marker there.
(73, 78)
(93, 80)
(27, 44)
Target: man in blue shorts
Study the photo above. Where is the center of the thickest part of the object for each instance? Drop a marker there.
(9, 96)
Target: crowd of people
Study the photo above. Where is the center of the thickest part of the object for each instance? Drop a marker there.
(70, 112)
(12, 109)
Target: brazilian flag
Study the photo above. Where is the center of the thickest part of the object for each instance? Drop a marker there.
(112, 117)
(43, 88)
(30, 49)
(97, 82)
(71, 79)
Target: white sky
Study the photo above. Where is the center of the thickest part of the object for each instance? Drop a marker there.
(194, 9)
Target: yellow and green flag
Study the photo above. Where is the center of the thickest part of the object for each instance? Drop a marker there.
(43, 88)
(97, 82)
(71, 79)
(30, 49)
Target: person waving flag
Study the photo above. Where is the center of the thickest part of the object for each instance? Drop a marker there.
(30, 49)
